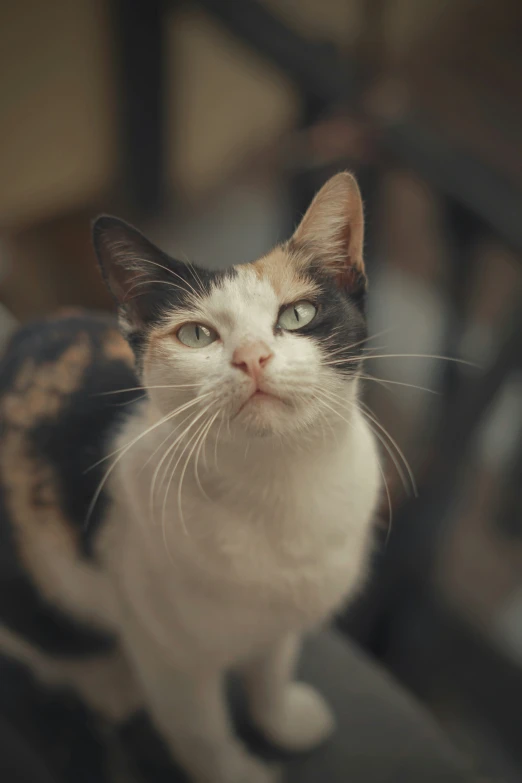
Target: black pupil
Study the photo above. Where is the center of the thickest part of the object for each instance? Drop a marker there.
(296, 313)
(197, 332)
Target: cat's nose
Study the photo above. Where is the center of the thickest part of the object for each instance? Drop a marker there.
(252, 357)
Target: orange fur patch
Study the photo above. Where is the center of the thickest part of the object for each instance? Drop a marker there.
(115, 348)
(285, 272)
(32, 488)
(33, 498)
(40, 392)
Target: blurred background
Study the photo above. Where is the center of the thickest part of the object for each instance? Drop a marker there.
(211, 124)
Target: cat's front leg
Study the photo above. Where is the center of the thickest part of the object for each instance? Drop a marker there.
(291, 714)
(190, 712)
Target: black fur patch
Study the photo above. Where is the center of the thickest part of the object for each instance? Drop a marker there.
(47, 734)
(64, 438)
(25, 611)
(340, 323)
(146, 282)
(163, 299)
(79, 438)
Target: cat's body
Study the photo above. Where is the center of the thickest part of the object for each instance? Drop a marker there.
(215, 542)
(260, 557)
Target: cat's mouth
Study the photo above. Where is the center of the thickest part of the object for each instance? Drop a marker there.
(260, 394)
(259, 397)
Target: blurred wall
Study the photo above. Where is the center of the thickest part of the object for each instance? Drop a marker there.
(57, 131)
(59, 105)
(60, 134)
(224, 103)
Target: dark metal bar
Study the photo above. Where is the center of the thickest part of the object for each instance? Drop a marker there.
(316, 70)
(491, 196)
(462, 231)
(509, 518)
(139, 33)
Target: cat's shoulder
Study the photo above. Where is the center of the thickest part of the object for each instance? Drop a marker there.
(57, 413)
(62, 394)
(73, 337)
(52, 366)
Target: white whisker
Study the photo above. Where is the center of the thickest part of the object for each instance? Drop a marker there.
(384, 381)
(157, 469)
(390, 508)
(194, 439)
(122, 451)
(146, 388)
(421, 356)
(216, 442)
(171, 272)
(128, 402)
(166, 418)
(196, 275)
(371, 416)
(361, 406)
(345, 348)
(171, 448)
(198, 453)
(129, 298)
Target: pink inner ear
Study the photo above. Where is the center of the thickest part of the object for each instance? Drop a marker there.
(334, 224)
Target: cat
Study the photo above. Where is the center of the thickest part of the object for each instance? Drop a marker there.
(195, 496)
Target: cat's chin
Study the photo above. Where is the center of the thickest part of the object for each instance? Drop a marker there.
(264, 415)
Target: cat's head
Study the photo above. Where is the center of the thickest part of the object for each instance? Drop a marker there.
(269, 346)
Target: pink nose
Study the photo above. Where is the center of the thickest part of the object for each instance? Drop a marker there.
(252, 357)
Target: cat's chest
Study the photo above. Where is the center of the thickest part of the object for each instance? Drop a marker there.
(281, 533)
(251, 557)
(230, 593)
(293, 557)
(303, 552)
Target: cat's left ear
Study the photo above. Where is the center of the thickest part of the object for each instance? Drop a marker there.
(139, 275)
(333, 231)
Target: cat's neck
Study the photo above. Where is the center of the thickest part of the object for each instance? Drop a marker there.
(220, 454)
(152, 467)
(281, 481)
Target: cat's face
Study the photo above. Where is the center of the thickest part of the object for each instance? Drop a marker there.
(268, 347)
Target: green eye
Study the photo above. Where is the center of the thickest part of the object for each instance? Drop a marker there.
(196, 335)
(297, 315)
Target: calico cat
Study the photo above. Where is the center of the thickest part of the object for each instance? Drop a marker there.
(193, 497)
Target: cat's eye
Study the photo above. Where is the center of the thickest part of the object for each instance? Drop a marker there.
(297, 315)
(196, 335)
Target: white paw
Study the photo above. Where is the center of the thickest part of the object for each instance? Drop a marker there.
(304, 721)
(254, 771)
(243, 768)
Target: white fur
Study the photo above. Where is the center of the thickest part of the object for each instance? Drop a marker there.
(273, 541)
(260, 545)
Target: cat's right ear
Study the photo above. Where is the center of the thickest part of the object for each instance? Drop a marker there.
(333, 231)
(136, 271)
